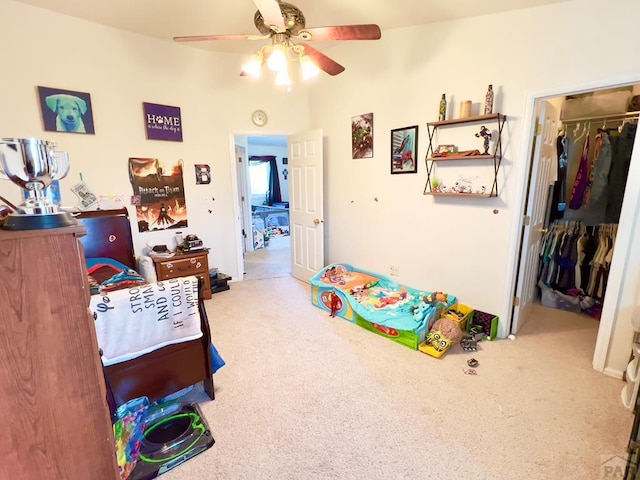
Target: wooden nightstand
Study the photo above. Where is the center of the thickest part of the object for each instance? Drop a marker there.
(183, 265)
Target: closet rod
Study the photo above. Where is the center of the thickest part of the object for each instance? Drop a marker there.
(613, 116)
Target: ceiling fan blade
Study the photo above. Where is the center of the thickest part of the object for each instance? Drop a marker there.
(202, 38)
(271, 13)
(322, 61)
(342, 32)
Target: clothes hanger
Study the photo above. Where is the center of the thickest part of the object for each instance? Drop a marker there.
(576, 130)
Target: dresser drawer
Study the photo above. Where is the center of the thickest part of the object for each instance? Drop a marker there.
(182, 267)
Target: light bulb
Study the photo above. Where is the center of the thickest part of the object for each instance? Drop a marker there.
(282, 78)
(309, 69)
(252, 67)
(277, 59)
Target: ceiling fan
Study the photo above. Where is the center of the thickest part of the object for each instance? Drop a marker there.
(283, 22)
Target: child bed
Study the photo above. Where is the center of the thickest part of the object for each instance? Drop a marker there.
(376, 303)
(163, 370)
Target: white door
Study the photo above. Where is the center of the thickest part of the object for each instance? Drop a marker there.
(306, 208)
(543, 155)
(244, 199)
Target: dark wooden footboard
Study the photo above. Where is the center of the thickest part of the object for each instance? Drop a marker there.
(166, 370)
(163, 371)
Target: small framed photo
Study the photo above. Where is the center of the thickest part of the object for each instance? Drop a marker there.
(362, 136)
(66, 110)
(285, 160)
(404, 150)
(446, 149)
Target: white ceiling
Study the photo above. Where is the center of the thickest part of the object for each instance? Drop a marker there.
(165, 19)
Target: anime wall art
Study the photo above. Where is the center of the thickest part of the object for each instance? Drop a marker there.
(160, 188)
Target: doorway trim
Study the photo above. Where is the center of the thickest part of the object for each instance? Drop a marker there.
(628, 216)
(234, 186)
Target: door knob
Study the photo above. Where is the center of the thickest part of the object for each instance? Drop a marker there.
(317, 221)
(543, 230)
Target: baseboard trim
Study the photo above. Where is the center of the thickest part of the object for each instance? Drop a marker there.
(612, 372)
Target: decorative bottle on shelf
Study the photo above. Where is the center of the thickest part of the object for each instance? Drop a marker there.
(442, 112)
(488, 102)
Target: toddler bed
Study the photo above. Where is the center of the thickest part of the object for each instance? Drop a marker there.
(139, 359)
(378, 304)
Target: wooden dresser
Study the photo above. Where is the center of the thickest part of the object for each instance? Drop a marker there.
(53, 409)
(183, 265)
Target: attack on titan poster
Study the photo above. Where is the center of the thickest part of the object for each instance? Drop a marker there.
(159, 186)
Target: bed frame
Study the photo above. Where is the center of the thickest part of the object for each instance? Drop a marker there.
(163, 371)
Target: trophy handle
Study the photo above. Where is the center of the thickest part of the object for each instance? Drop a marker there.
(59, 165)
(2, 174)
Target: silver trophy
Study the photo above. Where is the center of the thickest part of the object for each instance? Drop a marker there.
(33, 164)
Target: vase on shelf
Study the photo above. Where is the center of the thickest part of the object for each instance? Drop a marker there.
(488, 102)
(442, 112)
(465, 109)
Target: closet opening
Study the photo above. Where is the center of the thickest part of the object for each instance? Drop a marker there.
(580, 163)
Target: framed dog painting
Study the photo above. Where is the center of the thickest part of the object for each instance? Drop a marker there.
(66, 110)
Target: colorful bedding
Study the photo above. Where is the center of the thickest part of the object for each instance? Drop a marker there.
(377, 303)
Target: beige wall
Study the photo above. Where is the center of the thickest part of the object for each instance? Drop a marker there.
(120, 71)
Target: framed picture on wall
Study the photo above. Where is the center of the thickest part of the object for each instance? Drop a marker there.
(162, 122)
(66, 110)
(362, 136)
(404, 150)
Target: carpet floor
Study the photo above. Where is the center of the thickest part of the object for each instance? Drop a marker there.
(307, 396)
(272, 261)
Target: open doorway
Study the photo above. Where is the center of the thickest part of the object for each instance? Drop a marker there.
(567, 250)
(264, 199)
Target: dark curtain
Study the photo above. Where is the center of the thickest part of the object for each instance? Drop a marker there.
(273, 194)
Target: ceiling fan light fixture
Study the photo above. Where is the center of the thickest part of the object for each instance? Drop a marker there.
(282, 78)
(277, 58)
(309, 68)
(253, 66)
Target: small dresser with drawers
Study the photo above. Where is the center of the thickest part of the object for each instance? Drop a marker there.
(184, 265)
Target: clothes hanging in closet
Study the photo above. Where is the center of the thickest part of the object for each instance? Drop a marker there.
(619, 170)
(582, 178)
(558, 196)
(597, 166)
(575, 260)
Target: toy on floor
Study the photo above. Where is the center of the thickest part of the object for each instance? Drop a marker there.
(470, 339)
(128, 432)
(336, 304)
(171, 440)
(444, 333)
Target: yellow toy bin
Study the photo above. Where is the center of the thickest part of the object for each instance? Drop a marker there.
(424, 347)
(466, 314)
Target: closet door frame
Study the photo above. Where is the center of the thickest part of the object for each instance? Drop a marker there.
(613, 343)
